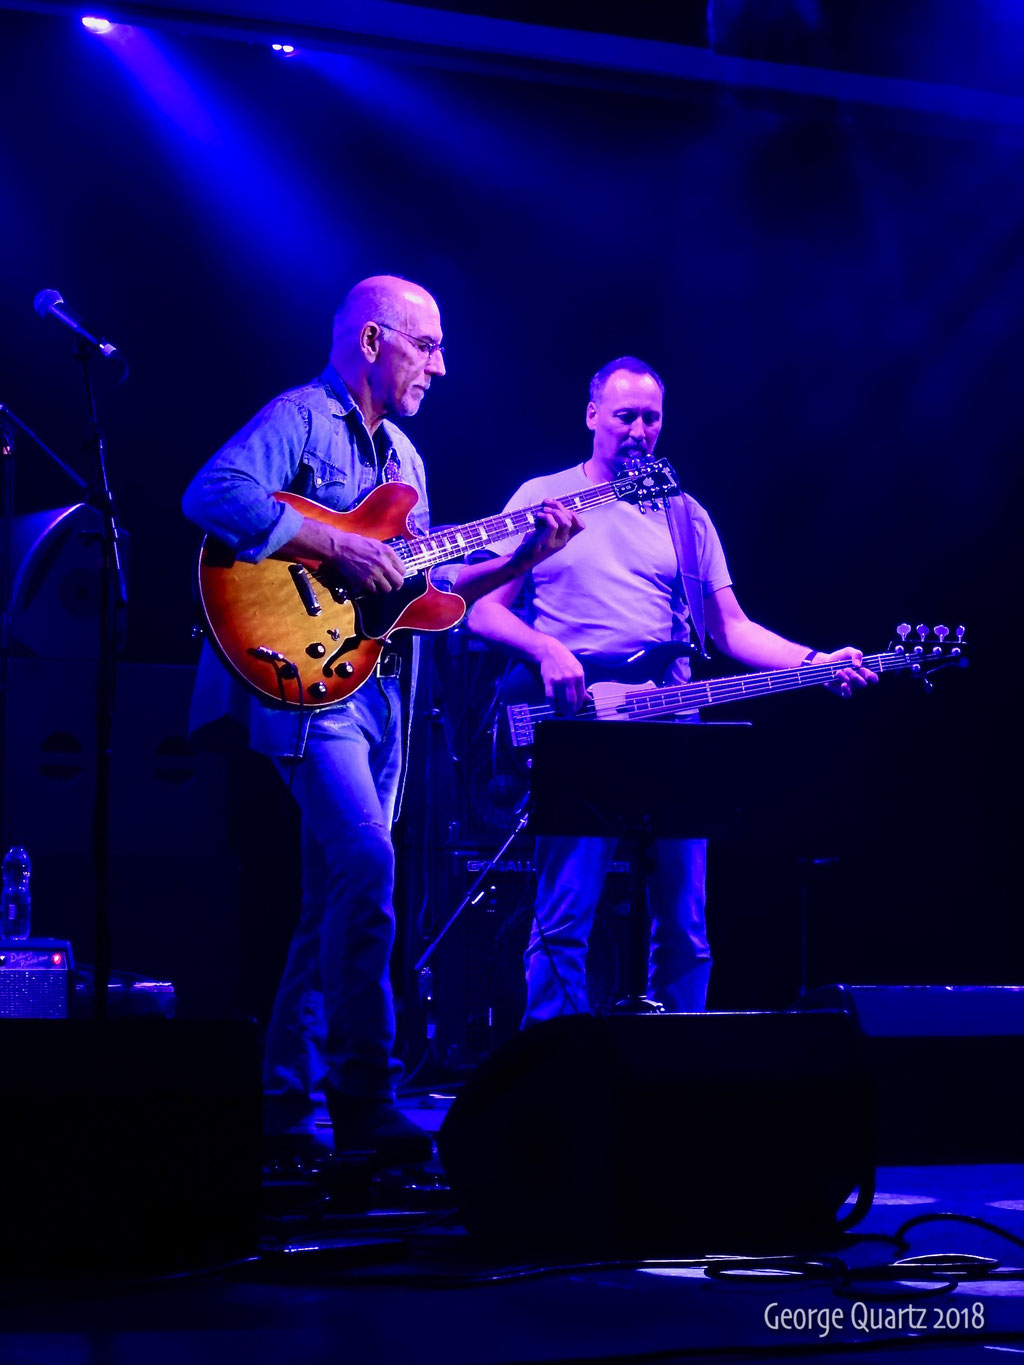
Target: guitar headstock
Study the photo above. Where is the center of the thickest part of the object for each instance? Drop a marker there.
(931, 648)
(645, 480)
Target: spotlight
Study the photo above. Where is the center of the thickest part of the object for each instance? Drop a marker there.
(95, 25)
(286, 49)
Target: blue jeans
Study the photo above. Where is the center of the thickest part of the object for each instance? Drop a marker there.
(333, 1021)
(570, 875)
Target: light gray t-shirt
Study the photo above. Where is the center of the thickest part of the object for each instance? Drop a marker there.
(616, 586)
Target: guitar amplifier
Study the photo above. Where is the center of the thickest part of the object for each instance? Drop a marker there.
(34, 978)
(478, 984)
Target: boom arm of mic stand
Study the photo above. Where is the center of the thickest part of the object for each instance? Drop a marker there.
(5, 411)
(431, 947)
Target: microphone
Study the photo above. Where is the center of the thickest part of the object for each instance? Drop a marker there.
(50, 301)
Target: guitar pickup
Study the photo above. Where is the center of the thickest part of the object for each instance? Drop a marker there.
(304, 587)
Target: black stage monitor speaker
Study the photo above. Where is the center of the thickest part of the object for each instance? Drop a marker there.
(129, 1143)
(57, 557)
(662, 1135)
(947, 1066)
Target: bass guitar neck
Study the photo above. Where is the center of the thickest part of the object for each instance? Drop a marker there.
(647, 701)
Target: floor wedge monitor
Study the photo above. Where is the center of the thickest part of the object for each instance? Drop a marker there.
(663, 1135)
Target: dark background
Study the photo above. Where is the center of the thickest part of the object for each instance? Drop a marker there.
(833, 293)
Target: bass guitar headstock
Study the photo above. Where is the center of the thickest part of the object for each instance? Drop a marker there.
(932, 650)
(645, 481)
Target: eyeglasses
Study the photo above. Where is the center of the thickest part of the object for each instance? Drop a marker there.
(422, 344)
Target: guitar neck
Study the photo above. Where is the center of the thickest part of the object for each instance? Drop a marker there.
(614, 701)
(655, 701)
(442, 547)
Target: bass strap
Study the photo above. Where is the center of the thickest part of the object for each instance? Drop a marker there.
(684, 541)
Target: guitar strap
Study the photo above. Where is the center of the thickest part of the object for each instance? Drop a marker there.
(391, 470)
(684, 540)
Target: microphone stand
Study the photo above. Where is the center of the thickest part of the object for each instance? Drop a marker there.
(113, 599)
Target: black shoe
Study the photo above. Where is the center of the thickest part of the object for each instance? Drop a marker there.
(377, 1126)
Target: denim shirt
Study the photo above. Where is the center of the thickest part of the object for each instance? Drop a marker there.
(311, 441)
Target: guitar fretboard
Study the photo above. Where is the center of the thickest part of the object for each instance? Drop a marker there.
(690, 696)
(649, 702)
(442, 547)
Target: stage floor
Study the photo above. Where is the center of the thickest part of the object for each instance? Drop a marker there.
(385, 1274)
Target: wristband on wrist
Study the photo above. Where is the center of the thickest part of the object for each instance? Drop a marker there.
(809, 658)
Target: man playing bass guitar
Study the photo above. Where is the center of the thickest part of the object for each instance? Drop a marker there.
(610, 592)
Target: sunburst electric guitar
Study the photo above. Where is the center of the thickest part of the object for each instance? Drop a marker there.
(621, 701)
(292, 632)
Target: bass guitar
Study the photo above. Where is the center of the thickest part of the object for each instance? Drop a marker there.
(293, 633)
(647, 701)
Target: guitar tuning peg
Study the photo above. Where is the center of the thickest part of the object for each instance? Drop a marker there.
(922, 632)
(903, 631)
(940, 633)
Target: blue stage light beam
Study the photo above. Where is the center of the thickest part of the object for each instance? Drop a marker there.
(463, 140)
(166, 86)
(244, 185)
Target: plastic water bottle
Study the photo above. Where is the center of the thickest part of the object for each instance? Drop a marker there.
(16, 902)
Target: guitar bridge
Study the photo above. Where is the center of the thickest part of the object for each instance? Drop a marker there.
(520, 725)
